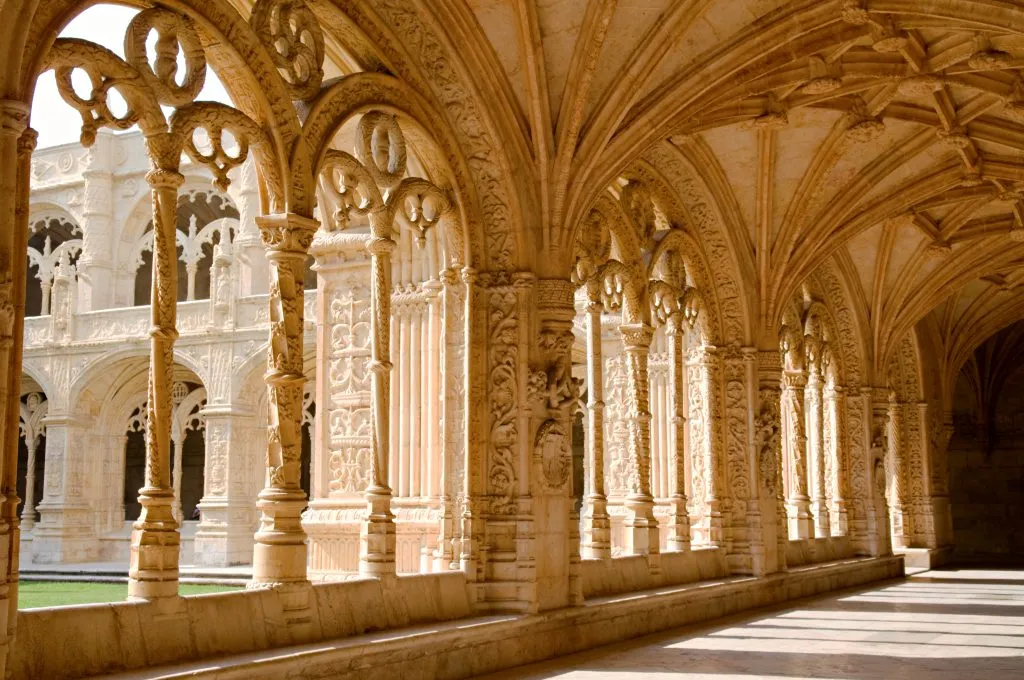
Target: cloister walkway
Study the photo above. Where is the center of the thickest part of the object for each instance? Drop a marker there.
(938, 625)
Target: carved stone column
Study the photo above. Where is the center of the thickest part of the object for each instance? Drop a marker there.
(28, 511)
(153, 571)
(279, 556)
(176, 468)
(95, 268)
(878, 521)
(679, 515)
(641, 527)
(838, 482)
(814, 397)
(226, 512)
(552, 395)
(377, 534)
(794, 434)
(16, 143)
(597, 537)
(895, 470)
(768, 459)
(708, 446)
(453, 386)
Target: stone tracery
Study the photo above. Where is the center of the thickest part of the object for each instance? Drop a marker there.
(727, 414)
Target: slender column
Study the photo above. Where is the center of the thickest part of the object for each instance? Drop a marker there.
(641, 526)
(597, 537)
(190, 272)
(895, 468)
(835, 413)
(377, 534)
(679, 516)
(28, 512)
(176, 475)
(414, 454)
(45, 284)
(279, 554)
(815, 436)
(433, 391)
(153, 571)
(404, 406)
(471, 522)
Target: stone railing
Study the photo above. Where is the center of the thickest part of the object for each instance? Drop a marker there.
(127, 323)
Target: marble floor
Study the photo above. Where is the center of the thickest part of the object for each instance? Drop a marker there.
(954, 624)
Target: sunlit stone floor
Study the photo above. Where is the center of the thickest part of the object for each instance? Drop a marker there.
(946, 625)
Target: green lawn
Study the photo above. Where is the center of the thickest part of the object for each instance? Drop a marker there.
(32, 594)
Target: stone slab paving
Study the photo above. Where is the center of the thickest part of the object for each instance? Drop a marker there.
(936, 625)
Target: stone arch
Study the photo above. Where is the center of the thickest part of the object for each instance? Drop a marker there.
(694, 204)
(243, 64)
(438, 150)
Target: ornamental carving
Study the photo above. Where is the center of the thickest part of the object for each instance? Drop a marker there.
(551, 449)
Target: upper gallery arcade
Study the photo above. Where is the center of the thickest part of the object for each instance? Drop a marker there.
(502, 305)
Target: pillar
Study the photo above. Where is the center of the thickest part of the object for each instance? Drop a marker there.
(28, 510)
(835, 417)
(706, 439)
(226, 512)
(768, 452)
(16, 143)
(552, 395)
(896, 474)
(814, 398)
(95, 268)
(453, 417)
(794, 380)
(153, 569)
(176, 479)
(597, 538)
(641, 535)
(279, 554)
(679, 515)
(377, 540)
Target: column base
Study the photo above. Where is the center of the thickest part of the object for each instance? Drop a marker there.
(822, 521)
(679, 537)
(642, 535)
(377, 540)
(597, 529)
(64, 534)
(279, 553)
(156, 544)
(219, 542)
(801, 523)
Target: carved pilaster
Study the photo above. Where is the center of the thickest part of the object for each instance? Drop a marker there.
(794, 380)
(836, 459)
(279, 555)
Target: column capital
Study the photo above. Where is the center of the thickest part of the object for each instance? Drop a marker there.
(287, 232)
(636, 335)
(164, 179)
(14, 116)
(379, 245)
(794, 379)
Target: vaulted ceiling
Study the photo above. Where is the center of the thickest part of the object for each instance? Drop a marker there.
(887, 135)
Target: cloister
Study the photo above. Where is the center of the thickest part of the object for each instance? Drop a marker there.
(485, 332)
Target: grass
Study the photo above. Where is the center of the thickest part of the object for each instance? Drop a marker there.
(32, 594)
